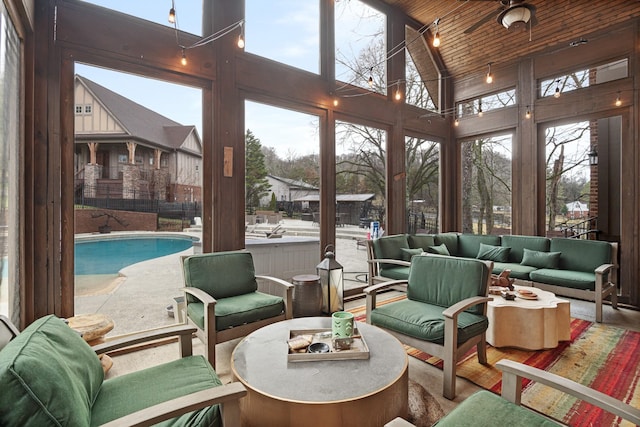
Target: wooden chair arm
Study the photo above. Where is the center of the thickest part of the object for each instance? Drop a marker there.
(604, 269)
(184, 333)
(389, 261)
(513, 372)
(201, 295)
(285, 285)
(383, 285)
(461, 306)
(227, 395)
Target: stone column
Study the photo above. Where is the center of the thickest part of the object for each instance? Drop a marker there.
(92, 172)
(130, 178)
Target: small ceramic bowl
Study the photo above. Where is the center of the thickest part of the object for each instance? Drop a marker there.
(318, 347)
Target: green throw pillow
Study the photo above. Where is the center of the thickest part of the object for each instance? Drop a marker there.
(493, 253)
(540, 259)
(407, 253)
(440, 249)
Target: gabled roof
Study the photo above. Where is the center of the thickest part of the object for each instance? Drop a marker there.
(140, 122)
(292, 183)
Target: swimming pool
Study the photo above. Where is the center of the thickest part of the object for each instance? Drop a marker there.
(108, 255)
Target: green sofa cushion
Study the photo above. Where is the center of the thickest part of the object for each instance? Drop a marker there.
(390, 247)
(493, 253)
(469, 244)
(446, 280)
(484, 408)
(137, 390)
(425, 321)
(518, 271)
(48, 376)
(395, 272)
(518, 243)
(422, 241)
(540, 259)
(581, 255)
(450, 240)
(221, 274)
(407, 254)
(567, 278)
(440, 249)
(238, 310)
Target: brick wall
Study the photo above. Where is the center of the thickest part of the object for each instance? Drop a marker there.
(88, 222)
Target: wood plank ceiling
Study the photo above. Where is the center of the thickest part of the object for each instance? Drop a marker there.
(558, 23)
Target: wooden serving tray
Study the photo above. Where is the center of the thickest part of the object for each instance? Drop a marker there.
(358, 350)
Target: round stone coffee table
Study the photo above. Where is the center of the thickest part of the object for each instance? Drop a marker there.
(528, 324)
(354, 392)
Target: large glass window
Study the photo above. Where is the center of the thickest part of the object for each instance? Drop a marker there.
(486, 185)
(584, 78)
(361, 51)
(286, 31)
(188, 13)
(9, 165)
(138, 169)
(423, 184)
(568, 175)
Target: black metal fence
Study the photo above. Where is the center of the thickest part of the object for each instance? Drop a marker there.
(422, 223)
(171, 210)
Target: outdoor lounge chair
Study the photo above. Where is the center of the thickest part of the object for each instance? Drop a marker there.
(444, 313)
(50, 376)
(484, 409)
(223, 301)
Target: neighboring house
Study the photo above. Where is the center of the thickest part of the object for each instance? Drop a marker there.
(350, 208)
(577, 210)
(125, 150)
(287, 190)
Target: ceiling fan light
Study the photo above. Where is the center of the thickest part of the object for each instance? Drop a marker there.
(516, 16)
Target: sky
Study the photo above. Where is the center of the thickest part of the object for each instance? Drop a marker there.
(292, 37)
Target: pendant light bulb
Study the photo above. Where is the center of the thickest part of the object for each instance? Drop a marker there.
(618, 100)
(335, 102)
(489, 75)
(456, 122)
(480, 112)
(172, 13)
(241, 37)
(527, 115)
(183, 61)
(436, 39)
(398, 95)
(371, 77)
(557, 93)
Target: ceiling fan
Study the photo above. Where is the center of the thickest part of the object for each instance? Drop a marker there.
(514, 15)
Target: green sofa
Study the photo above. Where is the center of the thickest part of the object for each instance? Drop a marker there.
(49, 376)
(576, 268)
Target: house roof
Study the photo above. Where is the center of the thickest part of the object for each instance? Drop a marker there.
(339, 198)
(292, 183)
(140, 122)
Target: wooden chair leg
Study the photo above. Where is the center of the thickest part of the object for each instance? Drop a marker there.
(482, 350)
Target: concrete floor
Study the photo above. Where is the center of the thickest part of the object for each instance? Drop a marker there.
(137, 300)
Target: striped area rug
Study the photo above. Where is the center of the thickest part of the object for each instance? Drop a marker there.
(602, 357)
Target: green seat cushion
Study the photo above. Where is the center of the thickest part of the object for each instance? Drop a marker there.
(396, 272)
(238, 310)
(493, 253)
(440, 249)
(484, 408)
(518, 243)
(450, 240)
(580, 254)
(134, 391)
(221, 274)
(425, 321)
(446, 280)
(569, 279)
(48, 376)
(407, 254)
(422, 241)
(518, 271)
(469, 244)
(539, 259)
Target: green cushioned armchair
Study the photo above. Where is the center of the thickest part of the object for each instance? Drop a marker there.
(223, 300)
(49, 376)
(444, 313)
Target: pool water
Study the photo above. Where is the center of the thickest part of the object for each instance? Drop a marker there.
(108, 256)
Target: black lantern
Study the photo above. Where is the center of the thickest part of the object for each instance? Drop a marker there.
(593, 156)
(332, 282)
